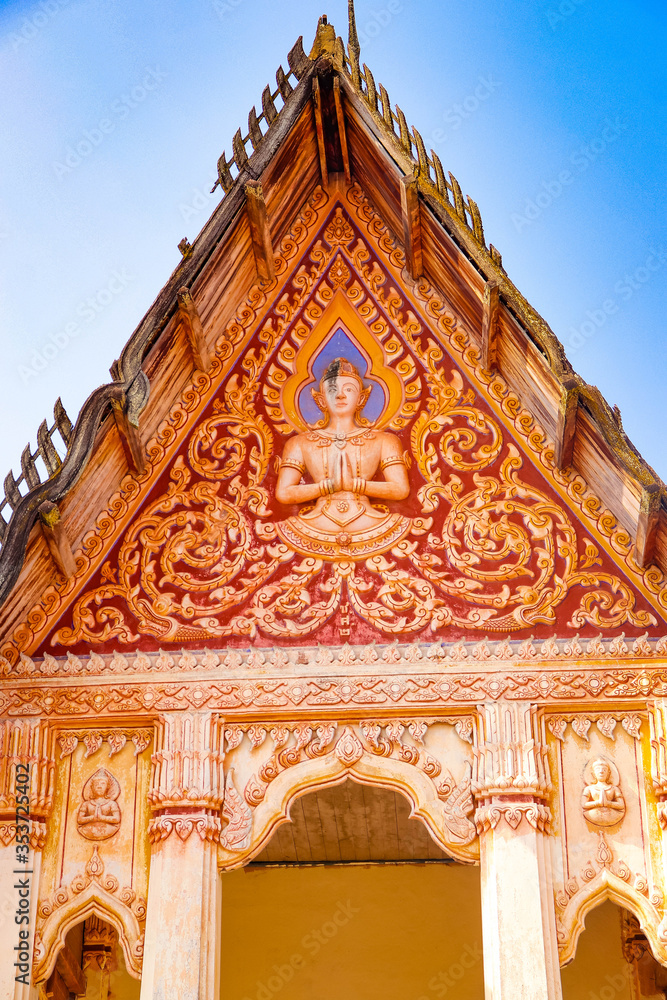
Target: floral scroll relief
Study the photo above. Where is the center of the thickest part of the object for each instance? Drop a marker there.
(385, 752)
(490, 551)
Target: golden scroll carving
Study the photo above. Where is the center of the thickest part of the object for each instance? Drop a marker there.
(479, 545)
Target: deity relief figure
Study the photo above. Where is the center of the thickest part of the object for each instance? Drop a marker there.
(602, 800)
(98, 817)
(342, 455)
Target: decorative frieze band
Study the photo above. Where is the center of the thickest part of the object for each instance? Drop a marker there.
(605, 722)
(406, 655)
(429, 691)
(95, 738)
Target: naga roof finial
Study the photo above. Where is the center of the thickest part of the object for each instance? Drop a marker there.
(353, 46)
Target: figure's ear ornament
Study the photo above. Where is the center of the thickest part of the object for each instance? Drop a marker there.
(363, 398)
(319, 399)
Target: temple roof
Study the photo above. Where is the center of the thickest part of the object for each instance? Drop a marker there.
(326, 116)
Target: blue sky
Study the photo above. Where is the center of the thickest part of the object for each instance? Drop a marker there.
(551, 113)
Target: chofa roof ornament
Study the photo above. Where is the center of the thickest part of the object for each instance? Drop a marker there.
(353, 46)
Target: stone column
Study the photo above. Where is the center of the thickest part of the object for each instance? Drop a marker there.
(182, 948)
(518, 913)
(27, 767)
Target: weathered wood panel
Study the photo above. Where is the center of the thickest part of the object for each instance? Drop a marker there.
(661, 541)
(375, 171)
(222, 287)
(291, 176)
(524, 368)
(38, 572)
(451, 272)
(594, 460)
(350, 822)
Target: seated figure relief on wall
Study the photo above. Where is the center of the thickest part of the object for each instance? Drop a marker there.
(602, 799)
(98, 817)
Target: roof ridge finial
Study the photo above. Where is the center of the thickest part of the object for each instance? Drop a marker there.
(353, 46)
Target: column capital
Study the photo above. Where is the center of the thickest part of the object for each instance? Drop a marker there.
(187, 779)
(511, 782)
(511, 779)
(27, 748)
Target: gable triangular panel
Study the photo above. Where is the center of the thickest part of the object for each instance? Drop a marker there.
(481, 489)
(486, 542)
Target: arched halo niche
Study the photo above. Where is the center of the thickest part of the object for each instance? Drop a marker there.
(614, 959)
(94, 901)
(608, 886)
(339, 332)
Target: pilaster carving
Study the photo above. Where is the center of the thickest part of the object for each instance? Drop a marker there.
(26, 743)
(658, 729)
(511, 777)
(633, 940)
(649, 975)
(187, 784)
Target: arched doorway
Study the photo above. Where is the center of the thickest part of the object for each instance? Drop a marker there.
(613, 960)
(90, 965)
(355, 898)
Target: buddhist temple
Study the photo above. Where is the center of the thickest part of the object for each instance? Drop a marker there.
(333, 632)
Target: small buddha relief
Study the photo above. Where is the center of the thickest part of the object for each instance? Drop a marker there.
(347, 461)
(602, 799)
(99, 814)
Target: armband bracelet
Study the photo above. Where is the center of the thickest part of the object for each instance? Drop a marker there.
(392, 460)
(289, 463)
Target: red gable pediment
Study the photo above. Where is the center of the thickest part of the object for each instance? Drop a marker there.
(490, 539)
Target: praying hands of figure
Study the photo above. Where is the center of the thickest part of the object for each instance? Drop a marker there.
(609, 797)
(342, 480)
(95, 811)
